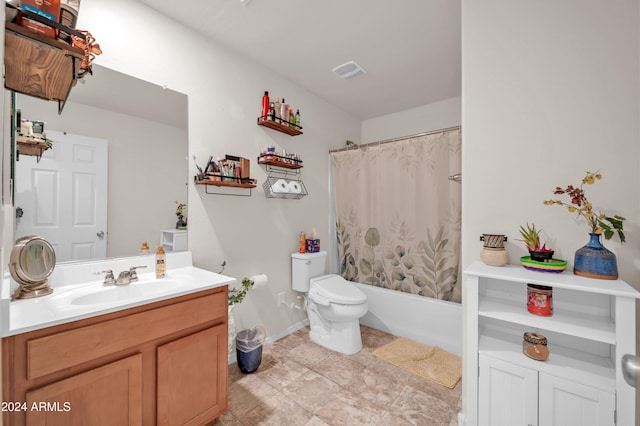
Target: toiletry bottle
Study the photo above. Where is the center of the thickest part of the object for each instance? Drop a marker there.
(265, 106)
(292, 118)
(303, 243)
(161, 263)
(283, 111)
(298, 118)
(276, 108)
(144, 248)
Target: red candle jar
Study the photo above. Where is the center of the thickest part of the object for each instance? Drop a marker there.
(540, 300)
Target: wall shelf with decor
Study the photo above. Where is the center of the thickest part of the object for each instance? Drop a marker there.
(283, 180)
(280, 127)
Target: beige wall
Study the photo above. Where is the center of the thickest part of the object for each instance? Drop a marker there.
(550, 90)
(253, 234)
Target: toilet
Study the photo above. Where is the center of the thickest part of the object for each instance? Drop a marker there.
(334, 305)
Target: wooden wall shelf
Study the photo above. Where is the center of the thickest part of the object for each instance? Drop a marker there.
(283, 128)
(39, 66)
(221, 183)
(278, 163)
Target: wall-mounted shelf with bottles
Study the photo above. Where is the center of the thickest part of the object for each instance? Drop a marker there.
(283, 126)
(273, 160)
(279, 182)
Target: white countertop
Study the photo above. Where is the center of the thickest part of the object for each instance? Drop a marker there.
(78, 292)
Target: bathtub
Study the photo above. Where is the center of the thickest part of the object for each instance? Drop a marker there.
(423, 319)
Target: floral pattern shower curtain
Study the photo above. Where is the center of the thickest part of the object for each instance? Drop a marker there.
(398, 214)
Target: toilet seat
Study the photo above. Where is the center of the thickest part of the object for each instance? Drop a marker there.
(336, 289)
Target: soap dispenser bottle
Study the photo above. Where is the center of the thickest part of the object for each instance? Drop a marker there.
(161, 263)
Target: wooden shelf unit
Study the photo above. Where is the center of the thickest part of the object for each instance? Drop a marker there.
(39, 66)
(221, 183)
(278, 163)
(225, 183)
(283, 128)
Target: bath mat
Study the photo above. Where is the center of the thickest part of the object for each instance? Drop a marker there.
(429, 362)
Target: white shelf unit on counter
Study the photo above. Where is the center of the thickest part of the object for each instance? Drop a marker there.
(173, 239)
(592, 327)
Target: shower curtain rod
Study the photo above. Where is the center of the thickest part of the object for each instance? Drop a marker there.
(417, 135)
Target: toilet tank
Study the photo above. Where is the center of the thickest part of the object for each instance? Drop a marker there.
(305, 266)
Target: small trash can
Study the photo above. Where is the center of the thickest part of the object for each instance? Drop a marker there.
(249, 348)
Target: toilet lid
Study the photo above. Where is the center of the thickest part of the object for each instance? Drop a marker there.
(339, 290)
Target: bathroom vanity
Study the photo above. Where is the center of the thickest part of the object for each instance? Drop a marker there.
(151, 352)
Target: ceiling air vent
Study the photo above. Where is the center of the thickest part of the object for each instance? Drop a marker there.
(349, 70)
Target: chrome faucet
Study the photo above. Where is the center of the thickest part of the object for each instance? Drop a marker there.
(109, 279)
(125, 277)
(133, 275)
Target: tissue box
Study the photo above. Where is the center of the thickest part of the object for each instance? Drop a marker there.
(313, 246)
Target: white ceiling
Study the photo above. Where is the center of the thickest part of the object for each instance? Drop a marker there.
(410, 49)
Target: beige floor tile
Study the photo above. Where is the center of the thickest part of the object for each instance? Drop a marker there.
(347, 408)
(302, 383)
(311, 391)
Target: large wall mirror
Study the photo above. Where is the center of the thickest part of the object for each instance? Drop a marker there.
(117, 166)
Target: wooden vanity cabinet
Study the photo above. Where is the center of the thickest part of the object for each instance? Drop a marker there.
(164, 363)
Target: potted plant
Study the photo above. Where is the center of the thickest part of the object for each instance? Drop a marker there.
(531, 238)
(593, 260)
(180, 213)
(235, 296)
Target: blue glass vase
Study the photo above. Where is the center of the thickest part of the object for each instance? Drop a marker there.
(595, 261)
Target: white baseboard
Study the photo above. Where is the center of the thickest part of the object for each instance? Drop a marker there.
(461, 420)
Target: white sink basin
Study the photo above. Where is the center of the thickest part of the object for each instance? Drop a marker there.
(123, 293)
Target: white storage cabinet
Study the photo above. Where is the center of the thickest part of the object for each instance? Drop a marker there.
(592, 327)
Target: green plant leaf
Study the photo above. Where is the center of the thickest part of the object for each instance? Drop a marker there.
(372, 237)
(365, 267)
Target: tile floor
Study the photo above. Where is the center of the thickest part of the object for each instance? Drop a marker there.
(301, 383)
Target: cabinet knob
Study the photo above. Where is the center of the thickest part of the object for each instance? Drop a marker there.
(631, 369)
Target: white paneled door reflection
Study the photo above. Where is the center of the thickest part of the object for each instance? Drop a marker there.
(64, 196)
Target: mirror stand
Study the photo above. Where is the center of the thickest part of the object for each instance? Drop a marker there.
(32, 261)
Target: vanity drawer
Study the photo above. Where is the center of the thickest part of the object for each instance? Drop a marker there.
(46, 355)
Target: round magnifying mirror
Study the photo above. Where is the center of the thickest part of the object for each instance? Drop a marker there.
(32, 261)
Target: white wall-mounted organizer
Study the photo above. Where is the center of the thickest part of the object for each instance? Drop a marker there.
(283, 180)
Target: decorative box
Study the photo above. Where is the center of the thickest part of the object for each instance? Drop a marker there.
(313, 246)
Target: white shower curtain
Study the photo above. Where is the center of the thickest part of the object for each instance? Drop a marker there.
(398, 215)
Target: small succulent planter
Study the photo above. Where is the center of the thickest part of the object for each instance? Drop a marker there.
(541, 256)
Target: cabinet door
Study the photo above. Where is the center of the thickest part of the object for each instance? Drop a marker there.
(507, 394)
(108, 395)
(565, 403)
(192, 378)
